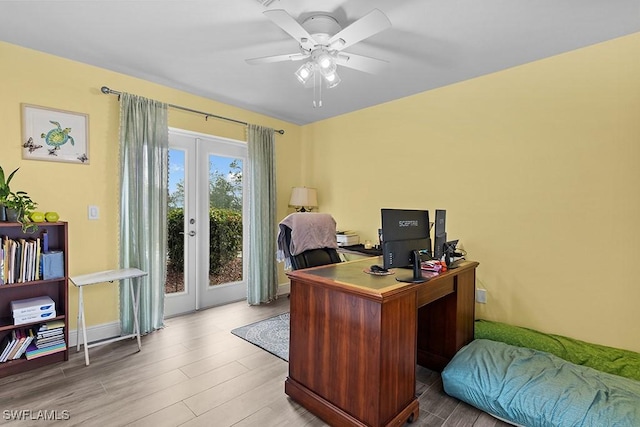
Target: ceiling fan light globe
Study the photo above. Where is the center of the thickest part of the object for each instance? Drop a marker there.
(305, 72)
(332, 79)
(325, 62)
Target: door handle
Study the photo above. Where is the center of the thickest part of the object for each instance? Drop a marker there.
(191, 233)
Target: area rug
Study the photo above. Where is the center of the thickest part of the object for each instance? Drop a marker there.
(270, 334)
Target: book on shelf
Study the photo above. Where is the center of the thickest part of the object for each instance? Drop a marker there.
(4, 343)
(37, 260)
(20, 260)
(50, 333)
(5, 257)
(28, 338)
(51, 343)
(34, 352)
(54, 324)
(2, 275)
(8, 246)
(7, 344)
(20, 337)
(49, 337)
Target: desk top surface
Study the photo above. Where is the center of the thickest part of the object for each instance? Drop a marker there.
(353, 274)
(107, 276)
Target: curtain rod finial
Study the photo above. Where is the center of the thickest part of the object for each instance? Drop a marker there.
(105, 90)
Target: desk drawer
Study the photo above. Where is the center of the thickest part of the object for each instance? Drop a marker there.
(435, 289)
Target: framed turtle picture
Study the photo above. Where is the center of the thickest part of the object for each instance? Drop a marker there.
(54, 135)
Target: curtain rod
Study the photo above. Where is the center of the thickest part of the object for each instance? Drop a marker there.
(108, 91)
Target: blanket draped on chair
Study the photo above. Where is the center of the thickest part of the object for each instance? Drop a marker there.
(309, 230)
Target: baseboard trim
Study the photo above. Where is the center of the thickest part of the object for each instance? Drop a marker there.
(95, 333)
(284, 289)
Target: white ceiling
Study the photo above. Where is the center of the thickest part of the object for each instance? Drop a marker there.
(200, 46)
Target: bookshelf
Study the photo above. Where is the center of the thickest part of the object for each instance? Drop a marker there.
(56, 289)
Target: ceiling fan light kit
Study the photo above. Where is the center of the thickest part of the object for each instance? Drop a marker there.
(321, 40)
(322, 61)
(328, 71)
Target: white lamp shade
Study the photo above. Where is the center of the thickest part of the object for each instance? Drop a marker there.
(303, 197)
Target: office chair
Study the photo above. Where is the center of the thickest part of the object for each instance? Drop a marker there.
(311, 257)
(312, 236)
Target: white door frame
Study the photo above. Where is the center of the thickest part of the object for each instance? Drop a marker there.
(198, 147)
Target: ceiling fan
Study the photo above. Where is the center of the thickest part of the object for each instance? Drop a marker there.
(322, 41)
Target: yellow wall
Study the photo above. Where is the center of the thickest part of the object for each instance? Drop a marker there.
(27, 76)
(538, 169)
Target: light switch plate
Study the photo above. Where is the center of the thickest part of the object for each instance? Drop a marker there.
(93, 212)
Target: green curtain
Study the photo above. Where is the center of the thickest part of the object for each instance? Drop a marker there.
(263, 276)
(144, 145)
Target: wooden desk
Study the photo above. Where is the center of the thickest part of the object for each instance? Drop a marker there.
(356, 338)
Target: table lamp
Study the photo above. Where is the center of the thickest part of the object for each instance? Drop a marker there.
(303, 199)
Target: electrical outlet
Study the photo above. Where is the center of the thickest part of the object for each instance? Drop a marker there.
(481, 296)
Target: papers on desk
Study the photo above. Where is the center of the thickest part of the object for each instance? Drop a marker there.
(433, 266)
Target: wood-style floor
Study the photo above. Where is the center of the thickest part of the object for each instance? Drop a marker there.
(194, 372)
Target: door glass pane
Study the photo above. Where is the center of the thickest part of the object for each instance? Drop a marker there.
(175, 223)
(225, 220)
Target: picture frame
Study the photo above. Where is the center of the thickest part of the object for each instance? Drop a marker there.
(54, 135)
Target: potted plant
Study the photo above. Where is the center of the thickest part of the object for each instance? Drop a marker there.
(5, 191)
(19, 207)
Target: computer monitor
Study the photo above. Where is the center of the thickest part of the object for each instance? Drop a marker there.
(405, 235)
(439, 234)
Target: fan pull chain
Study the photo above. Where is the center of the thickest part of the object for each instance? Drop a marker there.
(317, 83)
(320, 90)
(315, 79)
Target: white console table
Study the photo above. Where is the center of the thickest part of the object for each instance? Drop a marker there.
(132, 274)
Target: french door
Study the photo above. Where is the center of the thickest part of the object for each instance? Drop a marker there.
(206, 232)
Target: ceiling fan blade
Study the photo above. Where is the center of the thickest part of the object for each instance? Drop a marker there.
(361, 63)
(370, 24)
(285, 21)
(276, 58)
